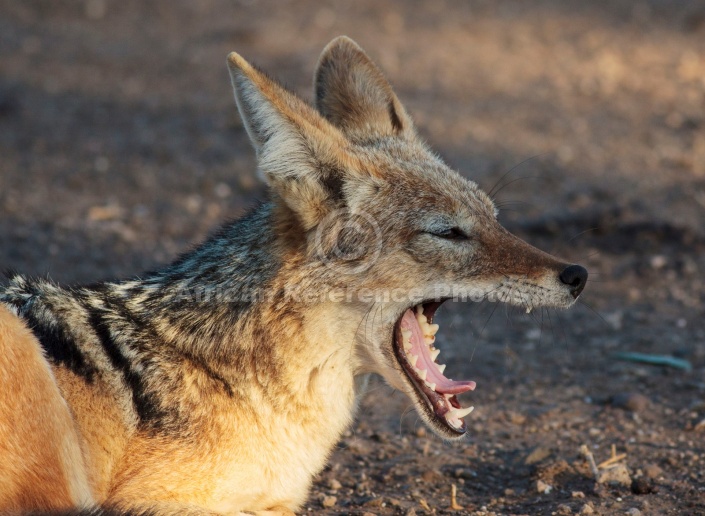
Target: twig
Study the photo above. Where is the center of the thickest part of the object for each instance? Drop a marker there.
(614, 458)
(591, 460)
(453, 500)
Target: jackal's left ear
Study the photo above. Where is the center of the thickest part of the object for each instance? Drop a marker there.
(352, 93)
(298, 151)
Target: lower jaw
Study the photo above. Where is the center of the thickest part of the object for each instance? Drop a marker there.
(432, 404)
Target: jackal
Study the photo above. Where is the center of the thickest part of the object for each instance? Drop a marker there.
(222, 382)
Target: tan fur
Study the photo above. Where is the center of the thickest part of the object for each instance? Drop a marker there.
(104, 433)
(41, 464)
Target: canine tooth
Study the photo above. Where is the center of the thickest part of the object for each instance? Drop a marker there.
(422, 373)
(434, 354)
(455, 422)
(431, 385)
(429, 339)
(462, 412)
(413, 359)
(432, 329)
(528, 309)
(441, 368)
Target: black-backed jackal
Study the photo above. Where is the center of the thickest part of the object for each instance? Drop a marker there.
(222, 382)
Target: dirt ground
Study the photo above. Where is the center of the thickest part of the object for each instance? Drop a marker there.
(120, 146)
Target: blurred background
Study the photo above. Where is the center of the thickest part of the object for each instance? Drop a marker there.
(120, 146)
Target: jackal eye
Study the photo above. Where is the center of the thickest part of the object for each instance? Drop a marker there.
(451, 234)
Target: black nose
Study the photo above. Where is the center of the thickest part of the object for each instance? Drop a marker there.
(575, 277)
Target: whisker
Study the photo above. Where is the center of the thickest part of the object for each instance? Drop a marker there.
(406, 411)
(492, 191)
(590, 255)
(504, 204)
(544, 313)
(581, 233)
(595, 312)
(357, 330)
(482, 331)
(550, 322)
(561, 329)
(514, 181)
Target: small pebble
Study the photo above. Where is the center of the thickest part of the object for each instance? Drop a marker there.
(329, 501)
(537, 455)
(465, 473)
(375, 502)
(658, 261)
(642, 486)
(334, 484)
(587, 509)
(543, 487)
(564, 509)
(653, 471)
(222, 190)
(634, 512)
(617, 474)
(430, 476)
(633, 402)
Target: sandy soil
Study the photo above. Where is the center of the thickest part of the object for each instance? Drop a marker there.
(120, 146)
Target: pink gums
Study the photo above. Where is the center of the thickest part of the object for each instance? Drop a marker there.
(420, 349)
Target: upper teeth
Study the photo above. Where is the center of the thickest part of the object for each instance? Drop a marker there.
(406, 338)
(454, 415)
(429, 331)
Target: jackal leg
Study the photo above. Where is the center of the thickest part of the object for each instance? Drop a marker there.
(41, 464)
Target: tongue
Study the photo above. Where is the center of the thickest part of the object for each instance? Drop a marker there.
(420, 349)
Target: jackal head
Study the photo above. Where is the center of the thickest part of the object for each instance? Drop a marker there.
(367, 207)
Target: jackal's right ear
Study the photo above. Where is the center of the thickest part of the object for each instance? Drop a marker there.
(298, 151)
(352, 93)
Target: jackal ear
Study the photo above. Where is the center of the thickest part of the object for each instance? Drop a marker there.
(298, 151)
(352, 93)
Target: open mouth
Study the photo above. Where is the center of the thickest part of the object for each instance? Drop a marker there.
(414, 339)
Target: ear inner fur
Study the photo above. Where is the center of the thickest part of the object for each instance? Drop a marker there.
(352, 93)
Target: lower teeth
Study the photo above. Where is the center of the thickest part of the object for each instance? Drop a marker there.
(461, 412)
